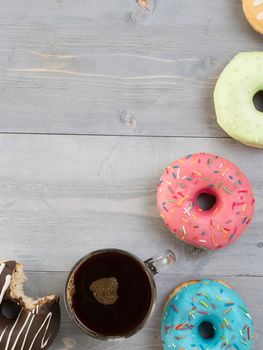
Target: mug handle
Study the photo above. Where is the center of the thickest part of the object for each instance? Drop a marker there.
(161, 261)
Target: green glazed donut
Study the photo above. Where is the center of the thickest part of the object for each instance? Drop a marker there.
(236, 87)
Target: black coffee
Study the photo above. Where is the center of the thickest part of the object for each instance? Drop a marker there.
(134, 294)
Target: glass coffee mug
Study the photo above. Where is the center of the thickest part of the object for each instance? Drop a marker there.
(111, 293)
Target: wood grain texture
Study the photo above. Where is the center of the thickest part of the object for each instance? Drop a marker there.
(64, 196)
(149, 337)
(108, 67)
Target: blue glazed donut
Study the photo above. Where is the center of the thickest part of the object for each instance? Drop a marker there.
(206, 315)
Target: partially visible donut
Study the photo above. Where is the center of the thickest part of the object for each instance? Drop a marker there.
(210, 175)
(253, 10)
(37, 323)
(235, 91)
(207, 314)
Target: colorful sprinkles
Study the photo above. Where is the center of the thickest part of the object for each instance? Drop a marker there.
(199, 173)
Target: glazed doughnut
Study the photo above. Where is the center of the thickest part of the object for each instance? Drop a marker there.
(201, 315)
(37, 323)
(253, 10)
(203, 174)
(235, 89)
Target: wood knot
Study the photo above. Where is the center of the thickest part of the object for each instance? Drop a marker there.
(195, 253)
(128, 120)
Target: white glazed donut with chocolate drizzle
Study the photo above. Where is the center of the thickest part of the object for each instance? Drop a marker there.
(37, 323)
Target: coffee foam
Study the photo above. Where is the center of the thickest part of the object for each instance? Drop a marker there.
(105, 290)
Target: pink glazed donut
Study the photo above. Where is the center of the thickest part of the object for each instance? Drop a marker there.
(207, 176)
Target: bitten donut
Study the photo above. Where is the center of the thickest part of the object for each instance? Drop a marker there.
(205, 175)
(202, 315)
(253, 10)
(234, 95)
(37, 323)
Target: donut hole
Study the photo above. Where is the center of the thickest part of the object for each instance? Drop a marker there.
(10, 310)
(206, 330)
(258, 101)
(205, 201)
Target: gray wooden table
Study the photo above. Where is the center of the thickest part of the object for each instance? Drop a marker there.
(96, 98)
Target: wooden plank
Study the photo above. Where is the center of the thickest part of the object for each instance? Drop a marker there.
(64, 196)
(149, 338)
(91, 67)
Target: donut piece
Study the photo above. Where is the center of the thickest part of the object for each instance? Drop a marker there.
(235, 89)
(37, 323)
(253, 10)
(198, 175)
(206, 314)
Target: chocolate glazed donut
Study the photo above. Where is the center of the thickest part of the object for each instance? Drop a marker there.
(37, 323)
